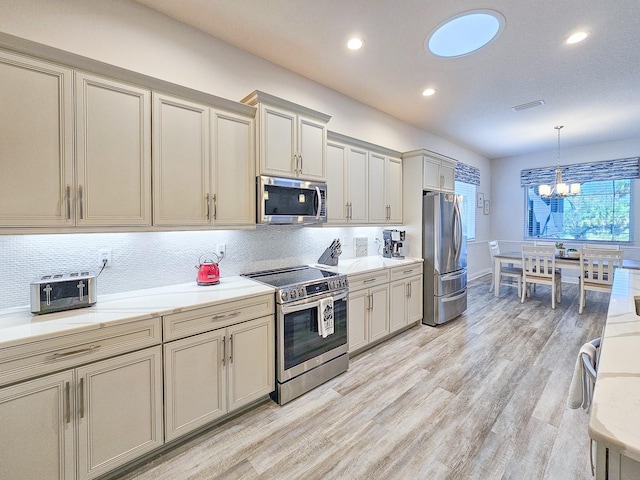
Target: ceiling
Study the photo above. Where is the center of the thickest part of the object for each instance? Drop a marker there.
(592, 88)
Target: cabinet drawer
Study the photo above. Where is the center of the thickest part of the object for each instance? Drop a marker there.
(369, 279)
(180, 325)
(53, 354)
(406, 271)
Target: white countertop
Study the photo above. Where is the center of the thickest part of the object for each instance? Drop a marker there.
(615, 412)
(351, 266)
(19, 325)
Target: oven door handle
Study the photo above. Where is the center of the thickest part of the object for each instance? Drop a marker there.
(312, 302)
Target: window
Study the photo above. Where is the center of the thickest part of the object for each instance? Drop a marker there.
(602, 211)
(468, 192)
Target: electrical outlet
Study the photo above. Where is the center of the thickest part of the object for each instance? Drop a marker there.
(221, 250)
(105, 254)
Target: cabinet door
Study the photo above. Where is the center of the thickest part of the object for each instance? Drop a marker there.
(37, 425)
(251, 361)
(377, 188)
(336, 183)
(233, 169)
(113, 153)
(394, 190)
(358, 318)
(414, 301)
(448, 172)
(431, 174)
(312, 139)
(36, 143)
(357, 175)
(119, 410)
(194, 382)
(277, 142)
(398, 293)
(379, 313)
(180, 162)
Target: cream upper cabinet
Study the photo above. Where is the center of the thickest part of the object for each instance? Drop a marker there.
(394, 190)
(113, 153)
(357, 187)
(291, 138)
(232, 169)
(40, 416)
(377, 188)
(181, 140)
(202, 164)
(36, 143)
(438, 174)
(346, 190)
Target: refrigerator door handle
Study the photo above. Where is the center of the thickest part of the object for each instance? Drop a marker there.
(454, 298)
(454, 275)
(457, 229)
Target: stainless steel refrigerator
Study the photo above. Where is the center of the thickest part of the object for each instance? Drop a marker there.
(445, 258)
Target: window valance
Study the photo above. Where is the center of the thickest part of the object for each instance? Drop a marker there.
(467, 174)
(582, 172)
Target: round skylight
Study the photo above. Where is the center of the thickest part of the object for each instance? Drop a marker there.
(465, 33)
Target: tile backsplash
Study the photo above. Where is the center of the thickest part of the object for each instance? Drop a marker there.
(152, 259)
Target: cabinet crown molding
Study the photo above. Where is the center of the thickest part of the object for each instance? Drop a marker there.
(339, 137)
(428, 153)
(258, 96)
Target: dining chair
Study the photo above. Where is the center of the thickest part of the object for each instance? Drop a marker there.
(539, 266)
(601, 246)
(510, 272)
(596, 271)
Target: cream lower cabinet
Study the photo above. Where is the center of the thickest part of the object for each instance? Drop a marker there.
(214, 373)
(368, 309)
(202, 164)
(611, 464)
(405, 299)
(216, 360)
(93, 418)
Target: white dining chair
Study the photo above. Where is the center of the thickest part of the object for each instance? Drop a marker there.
(596, 271)
(600, 246)
(539, 266)
(512, 273)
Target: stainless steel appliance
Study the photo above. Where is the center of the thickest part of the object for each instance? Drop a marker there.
(305, 358)
(287, 201)
(393, 241)
(445, 258)
(53, 293)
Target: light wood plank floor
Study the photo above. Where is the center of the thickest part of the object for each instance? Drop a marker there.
(482, 397)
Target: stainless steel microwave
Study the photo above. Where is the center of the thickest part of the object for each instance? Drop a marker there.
(289, 201)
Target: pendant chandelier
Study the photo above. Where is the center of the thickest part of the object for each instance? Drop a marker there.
(559, 189)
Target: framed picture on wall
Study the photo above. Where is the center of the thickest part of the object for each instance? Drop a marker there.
(480, 200)
(485, 208)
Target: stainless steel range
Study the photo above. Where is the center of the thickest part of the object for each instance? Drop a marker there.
(311, 327)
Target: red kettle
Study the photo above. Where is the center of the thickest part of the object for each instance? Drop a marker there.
(208, 269)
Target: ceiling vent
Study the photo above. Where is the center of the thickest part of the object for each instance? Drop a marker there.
(525, 106)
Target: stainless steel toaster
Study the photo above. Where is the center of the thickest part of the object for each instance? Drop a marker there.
(53, 293)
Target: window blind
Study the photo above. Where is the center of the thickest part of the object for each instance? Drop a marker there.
(619, 169)
(467, 174)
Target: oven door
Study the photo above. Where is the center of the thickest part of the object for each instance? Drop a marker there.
(300, 347)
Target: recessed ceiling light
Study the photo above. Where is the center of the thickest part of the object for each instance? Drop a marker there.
(576, 37)
(428, 92)
(355, 43)
(465, 33)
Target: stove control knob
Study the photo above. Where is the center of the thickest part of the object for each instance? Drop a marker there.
(294, 294)
(284, 296)
(344, 283)
(301, 292)
(332, 284)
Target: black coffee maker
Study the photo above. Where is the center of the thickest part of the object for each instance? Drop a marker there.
(392, 240)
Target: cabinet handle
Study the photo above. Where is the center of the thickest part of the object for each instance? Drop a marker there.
(67, 399)
(371, 301)
(81, 351)
(226, 315)
(68, 202)
(215, 206)
(408, 290)
(224, 351)
(350, 211)
(295, 163)
(300, 160)
(206, 200)
(80, 200)
(388, 212)
(346, 208)
(370, 280)
(407, 272)
(82, 397)
(231, 348)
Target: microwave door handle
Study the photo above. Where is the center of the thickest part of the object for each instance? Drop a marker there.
(319, 197)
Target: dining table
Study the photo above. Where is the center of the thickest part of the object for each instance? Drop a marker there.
(515, 259)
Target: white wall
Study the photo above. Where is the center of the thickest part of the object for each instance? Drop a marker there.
(131, 36)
